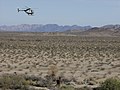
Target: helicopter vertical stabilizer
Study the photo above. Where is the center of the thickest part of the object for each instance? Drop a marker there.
(18, 9)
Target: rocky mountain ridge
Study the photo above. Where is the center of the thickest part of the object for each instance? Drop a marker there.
(42, 28)
(107, 30)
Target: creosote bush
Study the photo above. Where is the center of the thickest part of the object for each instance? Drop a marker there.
(111, 84)
(13, 82)
(67, 87)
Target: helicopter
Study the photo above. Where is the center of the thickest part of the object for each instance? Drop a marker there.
(28, 10)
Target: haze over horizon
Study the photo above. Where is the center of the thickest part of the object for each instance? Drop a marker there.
(62, 12)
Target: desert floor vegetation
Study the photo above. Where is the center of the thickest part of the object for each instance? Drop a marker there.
(78, 60)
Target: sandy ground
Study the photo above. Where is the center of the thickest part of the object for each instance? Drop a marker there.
(82, 60)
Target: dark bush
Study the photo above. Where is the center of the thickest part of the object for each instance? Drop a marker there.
(110, 84)
(13, 82)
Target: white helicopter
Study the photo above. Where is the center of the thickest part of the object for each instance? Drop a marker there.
(28, 10)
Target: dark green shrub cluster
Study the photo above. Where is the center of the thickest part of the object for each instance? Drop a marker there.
(111, 84)
(13, 82)
(67, 87)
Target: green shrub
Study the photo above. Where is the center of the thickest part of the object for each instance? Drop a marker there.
(13, 82)
(111, 84)
(67, 87)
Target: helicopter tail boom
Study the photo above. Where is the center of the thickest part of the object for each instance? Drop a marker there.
(19, 10)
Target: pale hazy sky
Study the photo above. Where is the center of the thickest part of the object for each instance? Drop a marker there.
(62, 12)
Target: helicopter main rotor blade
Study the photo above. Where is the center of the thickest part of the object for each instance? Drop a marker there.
(27, 7)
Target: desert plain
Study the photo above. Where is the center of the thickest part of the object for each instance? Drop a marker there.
(80, 60)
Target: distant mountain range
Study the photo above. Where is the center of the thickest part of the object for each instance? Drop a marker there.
(42, 28)
(107, 30)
